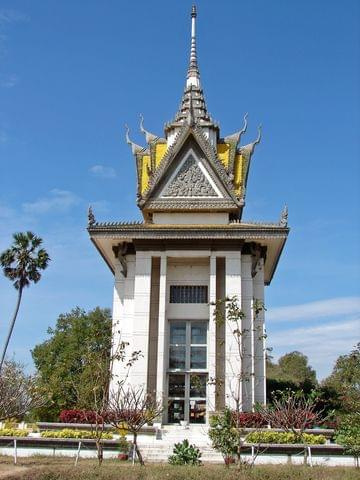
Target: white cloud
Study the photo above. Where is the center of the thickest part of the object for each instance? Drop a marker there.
(313, 310)
(12, 16)
(102, 171)
(322, 343)
(57, 201)
(8, 81)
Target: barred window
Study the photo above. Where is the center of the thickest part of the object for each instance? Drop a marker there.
(188, 294)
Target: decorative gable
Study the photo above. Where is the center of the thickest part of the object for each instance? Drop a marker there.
(190, 177)
(190, 180)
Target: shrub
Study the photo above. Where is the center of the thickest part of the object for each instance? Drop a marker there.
(185, 454)
(80, 416)
(249, 419)
(284, 437)
(348, 434)
(223, 433)
(13, 432)
(123, 445)
(68, 433)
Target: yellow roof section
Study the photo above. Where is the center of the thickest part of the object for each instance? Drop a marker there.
(223, 152)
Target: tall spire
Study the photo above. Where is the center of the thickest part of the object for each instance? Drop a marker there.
(193, 75)
(192, 108)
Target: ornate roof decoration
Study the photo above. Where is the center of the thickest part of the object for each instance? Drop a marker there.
(235, 137)
(149, 137)
(249, 149)
(209, 153)
(190, 181)
(193, 70)
(193, 96)
(284, 217)
(134, 147)
(228, 160)
(91, 217)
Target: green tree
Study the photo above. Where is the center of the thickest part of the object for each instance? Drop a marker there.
(345, 380)
(21, 263)
(291, 372)
(348, 435)
(63, 362)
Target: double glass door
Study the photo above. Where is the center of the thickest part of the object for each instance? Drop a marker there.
(187, 372)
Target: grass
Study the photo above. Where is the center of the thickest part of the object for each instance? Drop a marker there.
(62, 468)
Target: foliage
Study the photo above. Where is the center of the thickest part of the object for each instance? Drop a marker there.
(223, 433)
(345, 381)
(64, 360)
(185, 454)
(19, 392)
(21, 263)
(123, 444)
(249, 419)
(78, 416)
(348, 434)
(291, 372)
(284, 437)
(13, 432)
(291, 411)
(69, 433)
(293, 367)
(130, 408)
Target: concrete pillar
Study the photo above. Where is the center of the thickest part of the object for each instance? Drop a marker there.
(211, 358)
(162, 353)
(141, 321)
(233, 387)
(247, 334)
(123, 311)
(259, 339)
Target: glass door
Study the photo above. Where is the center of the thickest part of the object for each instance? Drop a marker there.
(187, 372)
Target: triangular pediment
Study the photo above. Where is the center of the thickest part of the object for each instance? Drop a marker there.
(190, 180)
(190, 177)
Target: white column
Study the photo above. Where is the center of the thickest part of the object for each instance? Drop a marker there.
(162, 354)
(259, 338)
(212, 337)
(233, 388)
(138, 373)
(247, 334)
(123, 312)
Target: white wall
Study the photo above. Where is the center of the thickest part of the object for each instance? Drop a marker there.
(219, 218)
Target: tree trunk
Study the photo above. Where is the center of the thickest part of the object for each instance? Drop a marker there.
(138, 453)
(100, 451)
(11, 327)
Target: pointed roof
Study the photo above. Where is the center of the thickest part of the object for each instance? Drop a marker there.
(193, 103)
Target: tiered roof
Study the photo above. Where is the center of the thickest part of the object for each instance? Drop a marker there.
(229, 160)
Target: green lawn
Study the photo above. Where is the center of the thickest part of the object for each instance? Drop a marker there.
(48, 468)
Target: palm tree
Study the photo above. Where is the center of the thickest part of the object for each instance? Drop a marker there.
(21, 264)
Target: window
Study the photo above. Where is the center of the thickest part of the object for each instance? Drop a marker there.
(188, 294)
(187, 378)
(188, 345)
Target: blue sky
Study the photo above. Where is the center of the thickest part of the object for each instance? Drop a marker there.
(73, 73)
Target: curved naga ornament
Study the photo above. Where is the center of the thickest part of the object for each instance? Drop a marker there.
(149, 137)
(134, 147)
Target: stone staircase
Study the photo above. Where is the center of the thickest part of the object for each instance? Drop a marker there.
(158, 449)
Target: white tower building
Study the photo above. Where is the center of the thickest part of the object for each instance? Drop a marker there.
(191, 249)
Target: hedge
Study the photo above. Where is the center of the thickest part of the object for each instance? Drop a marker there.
(285, 437)
(69, 433)
(13, 432)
